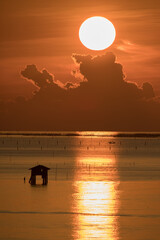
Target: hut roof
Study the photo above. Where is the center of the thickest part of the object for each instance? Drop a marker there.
(39, 167)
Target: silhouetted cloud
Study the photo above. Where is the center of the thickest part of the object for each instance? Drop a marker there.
(50, 90)
(104, 100)
(105, 75)
(148, 90)
(40, 79)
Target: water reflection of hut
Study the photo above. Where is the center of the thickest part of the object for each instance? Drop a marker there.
(39, 170)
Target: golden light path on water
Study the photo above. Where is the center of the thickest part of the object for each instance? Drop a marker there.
(96, 202)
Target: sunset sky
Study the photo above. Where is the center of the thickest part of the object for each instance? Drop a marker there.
(45, 33)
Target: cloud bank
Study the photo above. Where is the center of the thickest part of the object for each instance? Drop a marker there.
(104, 100)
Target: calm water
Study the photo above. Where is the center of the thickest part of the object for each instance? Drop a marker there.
(101, 186)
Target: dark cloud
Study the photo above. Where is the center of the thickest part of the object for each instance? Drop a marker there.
(148, 90)
(104, 100)
(106, 77)
(40, 79)
(50, 90)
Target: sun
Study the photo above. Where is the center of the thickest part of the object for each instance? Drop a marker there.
(97, 33)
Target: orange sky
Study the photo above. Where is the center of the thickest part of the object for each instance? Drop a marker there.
(45, 33)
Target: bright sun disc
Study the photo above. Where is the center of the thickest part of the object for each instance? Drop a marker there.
(97, 33)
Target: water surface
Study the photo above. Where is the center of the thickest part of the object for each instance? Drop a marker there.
(101, 186)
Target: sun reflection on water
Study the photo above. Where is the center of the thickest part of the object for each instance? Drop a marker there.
(96, 205)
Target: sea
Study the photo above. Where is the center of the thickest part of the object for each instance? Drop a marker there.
(101, 186)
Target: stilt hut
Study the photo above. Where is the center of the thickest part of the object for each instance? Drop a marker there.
(39, 170)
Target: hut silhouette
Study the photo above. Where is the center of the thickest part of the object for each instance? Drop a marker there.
(39, 170)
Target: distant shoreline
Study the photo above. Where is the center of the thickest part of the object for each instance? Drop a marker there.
(82, 133)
